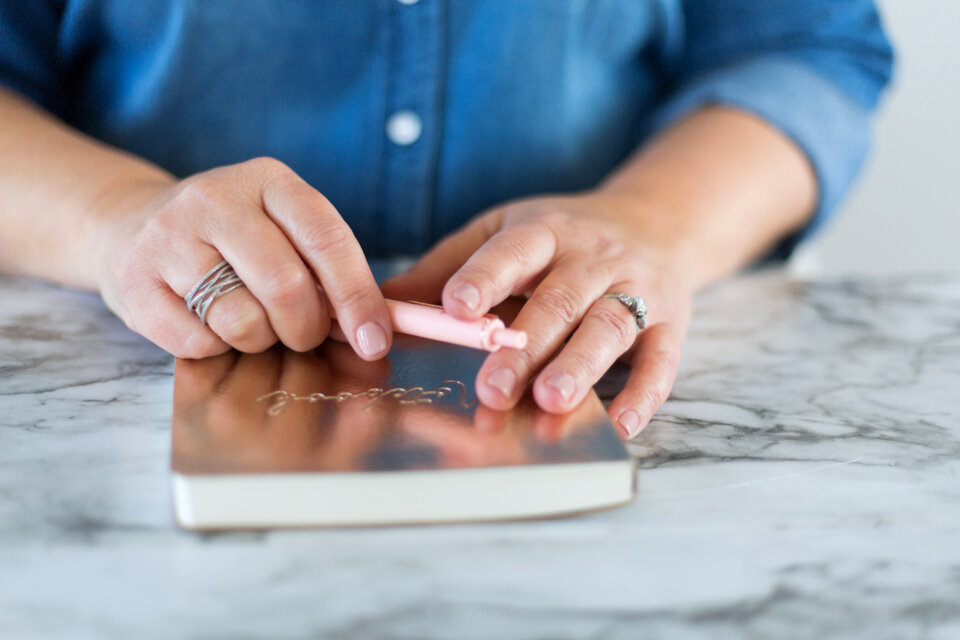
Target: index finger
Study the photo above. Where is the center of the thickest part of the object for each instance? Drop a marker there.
(328, 245)
(508, 261)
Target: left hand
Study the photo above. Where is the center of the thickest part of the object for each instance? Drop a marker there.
(564, 253)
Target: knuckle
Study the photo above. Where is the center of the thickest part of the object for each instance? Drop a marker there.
(603, 264)
(268, 166)
(480, 275)
(514, 249)
(355, 296)
(131, 283)
(272, 175)
(553, 219)
(584, 362)
(138, 295)
(666, 360)
(323, 235)
(240, 323)
(562, 302)
(241, 328)
(523, 362)
(615, 323)
(182, 341)
(490, 222)
(606, 247)
(164, 224)
(288, 286)
(651, 398)
(200, 192)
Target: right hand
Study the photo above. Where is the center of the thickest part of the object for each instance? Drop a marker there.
(283, 239)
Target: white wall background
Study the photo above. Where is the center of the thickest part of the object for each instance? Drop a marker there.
(904, 214)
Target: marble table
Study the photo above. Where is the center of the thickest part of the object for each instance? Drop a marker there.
(803, 481)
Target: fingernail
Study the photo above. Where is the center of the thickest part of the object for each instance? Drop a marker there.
(503, 380)
(630, 421)
(371, 338)
(564, 383)
(467, 295)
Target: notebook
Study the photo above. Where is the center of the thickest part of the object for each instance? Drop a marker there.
(286, 439)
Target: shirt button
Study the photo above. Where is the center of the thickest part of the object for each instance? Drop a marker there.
(404, 127)
(408, 1)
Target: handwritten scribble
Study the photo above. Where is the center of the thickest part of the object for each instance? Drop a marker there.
(413, 395)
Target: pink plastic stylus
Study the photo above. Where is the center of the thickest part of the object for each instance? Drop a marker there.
(432, 322)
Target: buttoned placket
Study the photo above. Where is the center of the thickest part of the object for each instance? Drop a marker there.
(412, 125)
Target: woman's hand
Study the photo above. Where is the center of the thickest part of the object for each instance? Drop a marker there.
(282, 238)
(564, 254)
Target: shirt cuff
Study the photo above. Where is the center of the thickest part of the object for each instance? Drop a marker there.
(829, 127)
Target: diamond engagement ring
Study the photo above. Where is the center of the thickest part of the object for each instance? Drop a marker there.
(220, 280)
(636, 305)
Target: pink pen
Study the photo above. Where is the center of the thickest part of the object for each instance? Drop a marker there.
(431, 321)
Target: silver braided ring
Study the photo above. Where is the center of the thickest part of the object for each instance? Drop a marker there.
(636, 305)
(220, 280)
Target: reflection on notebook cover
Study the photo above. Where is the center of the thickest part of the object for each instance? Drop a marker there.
(291, 439)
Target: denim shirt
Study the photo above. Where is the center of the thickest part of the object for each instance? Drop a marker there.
(412, 116)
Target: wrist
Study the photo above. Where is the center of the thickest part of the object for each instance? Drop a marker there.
(112, 217)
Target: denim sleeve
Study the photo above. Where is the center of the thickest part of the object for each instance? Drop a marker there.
(813, 69)
(28, 49)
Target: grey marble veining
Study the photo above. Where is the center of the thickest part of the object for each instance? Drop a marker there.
(803, 481)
